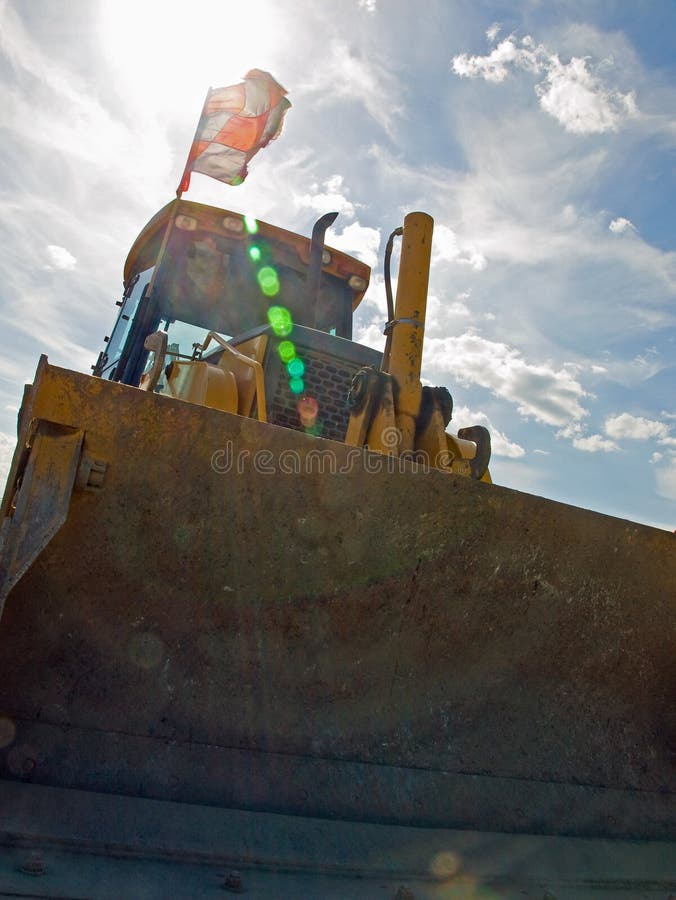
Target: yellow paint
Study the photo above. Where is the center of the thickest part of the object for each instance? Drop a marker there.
(253, 364)
(199, 382)
(409, 323)
(245, 375)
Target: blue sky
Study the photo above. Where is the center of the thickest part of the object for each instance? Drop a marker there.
(541, 136)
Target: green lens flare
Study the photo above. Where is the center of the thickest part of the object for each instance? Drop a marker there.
(251, 225)
(296, 368)
(280, 320)
(287, 351)
(268, 281)
(297, 385)
(255, 253)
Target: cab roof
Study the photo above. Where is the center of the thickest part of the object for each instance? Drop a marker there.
(232, 225)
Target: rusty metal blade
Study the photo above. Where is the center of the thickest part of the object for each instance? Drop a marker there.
(248, 616)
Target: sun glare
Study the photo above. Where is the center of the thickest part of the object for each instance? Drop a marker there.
(168, 53)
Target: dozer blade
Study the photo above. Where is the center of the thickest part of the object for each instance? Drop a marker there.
(241, 615)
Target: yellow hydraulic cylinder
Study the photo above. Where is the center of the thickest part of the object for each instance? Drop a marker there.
(408, 327)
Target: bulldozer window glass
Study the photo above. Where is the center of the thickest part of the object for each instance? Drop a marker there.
(181, 338)
(125, 318)
(216, 282)
(183, 335)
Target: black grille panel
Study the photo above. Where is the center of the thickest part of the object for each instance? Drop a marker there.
(331, 363)
(328, 380)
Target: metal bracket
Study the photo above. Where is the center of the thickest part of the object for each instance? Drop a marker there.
(90, 474)
(404, 320)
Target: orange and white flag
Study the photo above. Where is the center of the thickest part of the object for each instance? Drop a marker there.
(235, 123)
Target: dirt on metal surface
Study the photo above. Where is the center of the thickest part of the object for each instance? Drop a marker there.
(244, 616)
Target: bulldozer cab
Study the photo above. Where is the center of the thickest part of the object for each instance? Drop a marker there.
(195, 269)
(202, 279)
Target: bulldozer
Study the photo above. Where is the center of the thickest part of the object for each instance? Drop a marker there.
(268, 627)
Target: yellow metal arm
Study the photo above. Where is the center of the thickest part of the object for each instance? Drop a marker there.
(409, 323)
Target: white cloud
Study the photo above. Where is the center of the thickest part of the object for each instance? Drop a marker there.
(572, 92)
(665, 479)
(594, 443)
(633, 372)
(359, 240)
(457, 308)
(502, 446)
(495, 65)
(332, 199)
(463, 417)
(440, 310)
(620, 225)
(587, 443)
(445, 248)
(541, 391)
(7, 445)
(636, 428)
(345, 71)
(368, 5)
(370, 335)
(60, 258)
(493, 32)
(579, 101)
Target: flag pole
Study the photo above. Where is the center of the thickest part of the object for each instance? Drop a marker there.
(176, 204)
(186, 171)
(163, 246)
